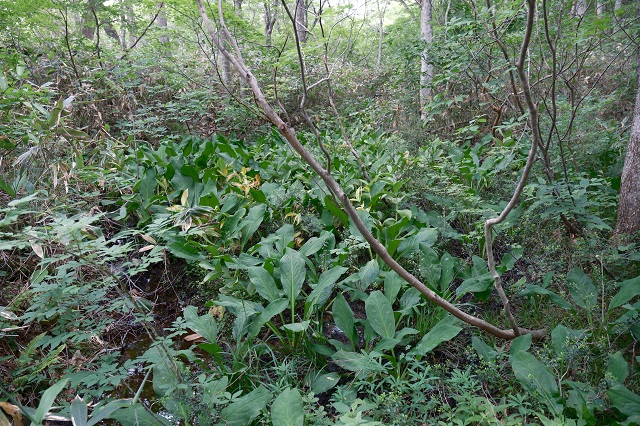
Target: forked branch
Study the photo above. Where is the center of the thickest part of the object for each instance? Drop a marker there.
(289, 134)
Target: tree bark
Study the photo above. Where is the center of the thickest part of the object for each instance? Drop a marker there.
(161, 20)
(301, 20)
(629, 205)
(580, 8)
(618, 5)
(426, 68)
(270, 17)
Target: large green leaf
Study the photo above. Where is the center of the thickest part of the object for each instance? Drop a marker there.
(251, 222)
(368, 274)
(536, 289)
(287, 409)
(628, 290)
(264, 283)
(380, 314)
(323, 289)
(582, 290)
(292, 274)
(617, 368)
(273, 309)
(486, 352)
(79, 412)
(446, 329)
(361, 363)
(624, 400)
(244, 409)
(344, 319)
(537, 379)
(204, 325)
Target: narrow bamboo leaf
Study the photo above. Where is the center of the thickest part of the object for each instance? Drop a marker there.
(443, 331)
(137, 415)
(244, 409)
(582, 290)
(380, 314)
(100, 413)
(264, 283)
(287, 409)
(47, 400)
(204, 325)
(292, 274)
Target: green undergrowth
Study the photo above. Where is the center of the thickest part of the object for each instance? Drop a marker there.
(303, 323)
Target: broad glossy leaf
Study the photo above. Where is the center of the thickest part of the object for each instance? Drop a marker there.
(617, 368)
(363, 364)
(368, 274)
(292, 273)
(628, 290)
(392, 285)
(520, 344)
(244, 409)
(264, 283)
(204, 325)
(446, 329)
(274, 308)
(486, 352)
(582, 290)
(534, 376)
(323, 289)
(79, 412)
(536, 289)
(287, 409)
(624, 400)
(380, 315)
(324, 382)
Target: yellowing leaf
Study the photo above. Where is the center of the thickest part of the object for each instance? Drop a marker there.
(185, 195)
(192, 337)
(146, 248)
(37, 249)
(13, 411)
(148, 238)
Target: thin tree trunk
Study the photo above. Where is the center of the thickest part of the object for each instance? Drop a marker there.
(599, 7)
(618, 5)
(161, 20)
(629, 206)
(381, 14)
(579, 8)
(426, 68)
(270, 17)
(301, 20)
